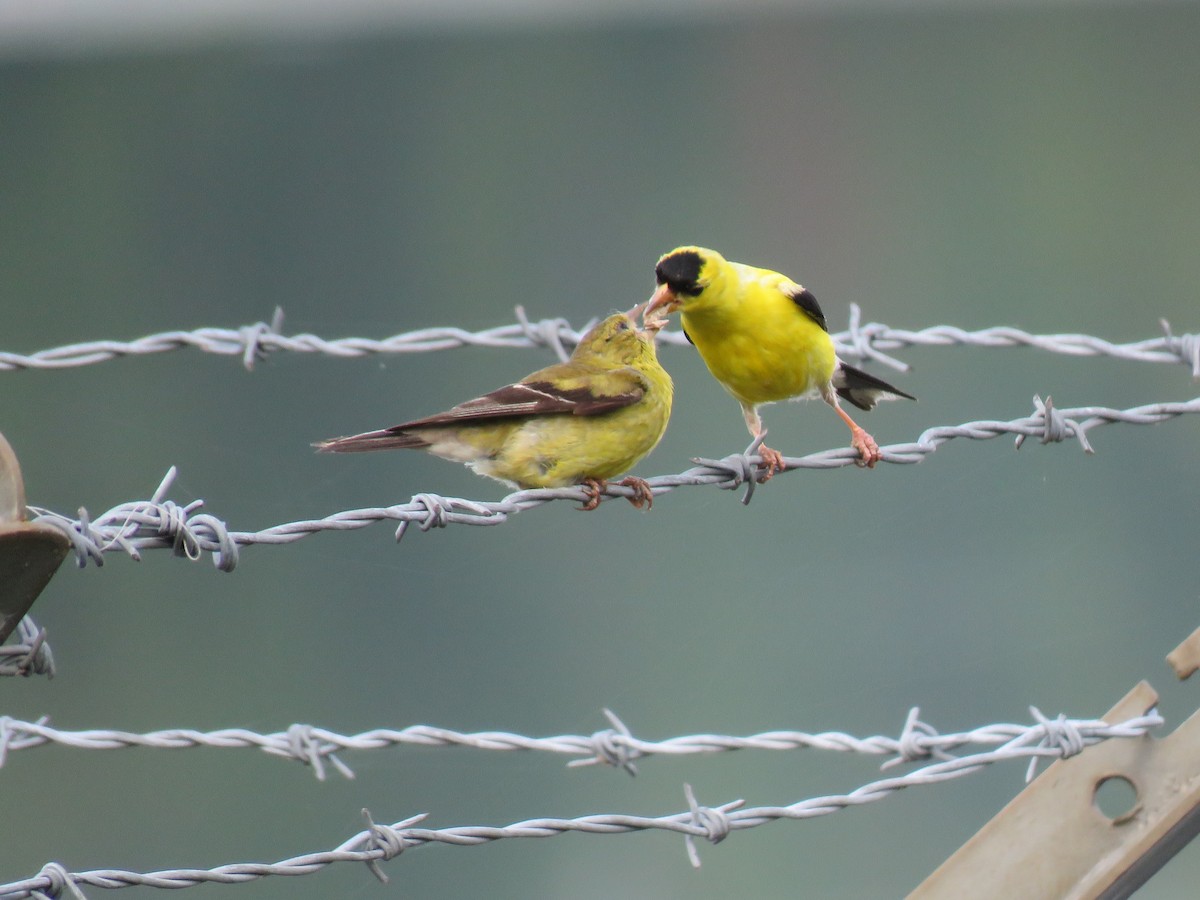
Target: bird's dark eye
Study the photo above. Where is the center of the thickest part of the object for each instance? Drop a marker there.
(623, 325)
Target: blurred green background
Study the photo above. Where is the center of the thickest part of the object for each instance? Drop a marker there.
(1026, 166)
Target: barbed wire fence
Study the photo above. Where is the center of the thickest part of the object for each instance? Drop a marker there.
(614, 746)
(870, 340)
(1046, 739)
(160, 523)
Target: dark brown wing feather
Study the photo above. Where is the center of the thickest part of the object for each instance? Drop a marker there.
(533, 398)
(387, 439)
(515, 401)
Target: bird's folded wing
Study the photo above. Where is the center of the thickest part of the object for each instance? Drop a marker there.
(541, 398)
(808, 304)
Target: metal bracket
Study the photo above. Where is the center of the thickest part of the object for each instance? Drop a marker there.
(1052, 840)
(30, 554)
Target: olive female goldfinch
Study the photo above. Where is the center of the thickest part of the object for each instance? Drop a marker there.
(763, 336)
(582, 421)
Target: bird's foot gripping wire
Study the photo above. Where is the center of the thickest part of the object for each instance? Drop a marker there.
(868, 450)
(594, 487)
(642, 495)
(772, 460)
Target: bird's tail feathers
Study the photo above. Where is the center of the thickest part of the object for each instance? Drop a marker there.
(863, 389)
(386, 439)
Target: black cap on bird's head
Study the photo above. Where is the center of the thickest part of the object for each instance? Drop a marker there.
(679, 270)
(682, 273)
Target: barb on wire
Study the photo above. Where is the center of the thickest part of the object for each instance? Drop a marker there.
(158, 523)
(1056, 427)
(869, 341)
(30, 655)
(616, 746)
(712, 823)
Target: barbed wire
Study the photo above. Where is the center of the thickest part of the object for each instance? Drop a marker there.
(860, 341)
(614, 746)
(1057, 738)
(30, 655)
(159, 523)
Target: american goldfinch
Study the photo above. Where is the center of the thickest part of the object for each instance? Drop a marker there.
(763, 336)
(582, 421)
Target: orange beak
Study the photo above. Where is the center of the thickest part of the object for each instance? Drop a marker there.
(639, 311)
(663, 298)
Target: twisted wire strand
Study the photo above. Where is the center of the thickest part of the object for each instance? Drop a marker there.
(159, 523)
(615, 746)
(378, 843)
(30, 655)
(251, 343)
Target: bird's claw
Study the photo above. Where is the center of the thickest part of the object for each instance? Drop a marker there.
(868, 450)
(642, 495)
(593, 487)
(772, 460)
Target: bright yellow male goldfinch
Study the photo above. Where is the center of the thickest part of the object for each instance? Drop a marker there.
(582, 421)
(763, 336)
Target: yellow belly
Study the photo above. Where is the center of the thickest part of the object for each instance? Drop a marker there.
(774, 354)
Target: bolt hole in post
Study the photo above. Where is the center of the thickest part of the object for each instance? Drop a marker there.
(1117, 798)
